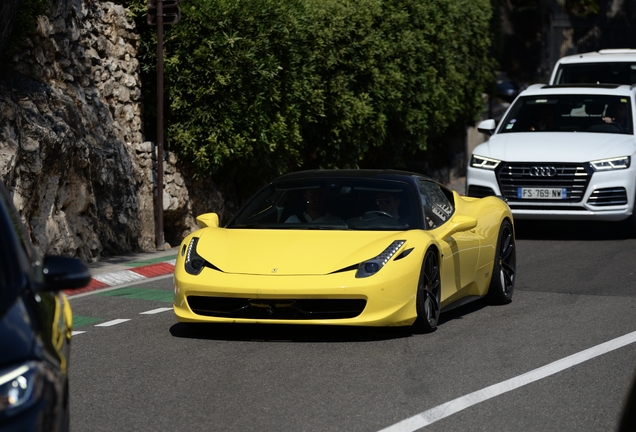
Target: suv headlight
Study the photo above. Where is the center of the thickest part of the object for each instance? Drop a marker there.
(611, 164)
(483, 162)
(20, 387)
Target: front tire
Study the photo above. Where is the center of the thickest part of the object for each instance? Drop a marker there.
(429, 293)
(502, 283)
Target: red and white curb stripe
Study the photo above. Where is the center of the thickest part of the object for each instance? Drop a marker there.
(122, 277)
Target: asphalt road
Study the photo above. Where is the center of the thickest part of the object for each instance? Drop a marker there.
(575, 290)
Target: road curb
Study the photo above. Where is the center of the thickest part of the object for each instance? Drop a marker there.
(122, 277)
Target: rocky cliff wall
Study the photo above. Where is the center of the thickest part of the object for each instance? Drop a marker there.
(72, 150)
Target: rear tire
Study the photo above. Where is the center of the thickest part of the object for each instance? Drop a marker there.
(502, 283)
(429, 293)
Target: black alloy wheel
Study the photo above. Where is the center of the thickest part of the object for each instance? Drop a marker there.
(428, 294)
(502, 283)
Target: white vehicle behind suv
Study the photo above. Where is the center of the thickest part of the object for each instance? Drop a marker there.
(609, 66)
(562, 152)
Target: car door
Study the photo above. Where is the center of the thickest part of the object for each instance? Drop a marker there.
(460, 250)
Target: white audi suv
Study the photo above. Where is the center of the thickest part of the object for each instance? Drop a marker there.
(562, 152)
(616, 66)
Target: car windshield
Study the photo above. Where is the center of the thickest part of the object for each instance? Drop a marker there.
(570, 113)
(602, 72)
(341, 204)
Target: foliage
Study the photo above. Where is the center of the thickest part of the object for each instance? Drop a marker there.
(257, 88)
(26, 19)
(580, 8)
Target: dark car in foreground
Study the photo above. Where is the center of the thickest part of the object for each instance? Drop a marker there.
(35, 328)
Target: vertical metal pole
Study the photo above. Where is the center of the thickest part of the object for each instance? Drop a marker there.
(159, 225)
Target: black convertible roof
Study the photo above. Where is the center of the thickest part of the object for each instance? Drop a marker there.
(350, 173)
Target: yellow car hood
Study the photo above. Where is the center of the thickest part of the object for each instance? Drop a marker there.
(290, 252)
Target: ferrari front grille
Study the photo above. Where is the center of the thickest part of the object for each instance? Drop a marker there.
(574, 177)
(608, 197)
(285, 309)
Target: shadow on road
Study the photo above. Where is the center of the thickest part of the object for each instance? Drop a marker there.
(287, 333)
(569, 230)
(310, 333)
(461, 311)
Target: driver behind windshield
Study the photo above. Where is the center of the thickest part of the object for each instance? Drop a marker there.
(389, 204)
(617, 114)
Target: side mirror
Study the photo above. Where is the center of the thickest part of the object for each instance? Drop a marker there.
(487, 127)
(208, 220)
(461, 223)
(64, 273)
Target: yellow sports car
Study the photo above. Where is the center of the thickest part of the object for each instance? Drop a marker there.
(347, 247)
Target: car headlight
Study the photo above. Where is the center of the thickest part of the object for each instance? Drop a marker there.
(483, 162)
(194, 263)
(372, 266)
(611, 164)
(20, 387)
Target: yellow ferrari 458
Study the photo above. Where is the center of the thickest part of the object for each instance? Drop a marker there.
(347, 247)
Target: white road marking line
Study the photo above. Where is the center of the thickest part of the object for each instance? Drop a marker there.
(154, 311)
(76, 332)
(111, 323)
(120, 277)
(449, 408)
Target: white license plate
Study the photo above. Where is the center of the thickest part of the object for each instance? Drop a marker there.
(542, 193)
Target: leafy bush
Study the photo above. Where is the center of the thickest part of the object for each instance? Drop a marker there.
(257, 88)
(25, 21)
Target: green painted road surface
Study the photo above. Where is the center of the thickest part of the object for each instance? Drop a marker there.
(126, 293)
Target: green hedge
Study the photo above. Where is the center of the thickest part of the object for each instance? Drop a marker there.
(257, 88)
(25, 22)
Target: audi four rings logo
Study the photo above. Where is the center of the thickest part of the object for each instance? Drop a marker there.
(543, 171)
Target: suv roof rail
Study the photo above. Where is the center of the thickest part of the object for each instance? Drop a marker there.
(617, 51)
(585, 85)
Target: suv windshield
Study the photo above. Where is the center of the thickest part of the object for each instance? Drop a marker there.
(602, 72)
(570, 113)
(351, 204)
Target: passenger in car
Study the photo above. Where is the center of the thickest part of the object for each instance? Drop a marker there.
(315, 211)
(546, 120)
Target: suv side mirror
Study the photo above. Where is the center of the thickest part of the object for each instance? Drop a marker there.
(487, 127)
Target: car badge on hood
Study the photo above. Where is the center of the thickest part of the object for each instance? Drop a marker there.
(275, 269)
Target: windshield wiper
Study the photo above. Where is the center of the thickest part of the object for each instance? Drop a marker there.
(248, 225)
(319, 226)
